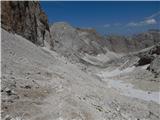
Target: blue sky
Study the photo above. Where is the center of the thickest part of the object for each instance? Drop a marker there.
(107, 17)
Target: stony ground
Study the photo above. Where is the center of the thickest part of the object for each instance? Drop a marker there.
(39, 84)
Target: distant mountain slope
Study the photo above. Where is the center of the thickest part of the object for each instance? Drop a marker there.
(146, 39)
(68, 40)
(123, 44)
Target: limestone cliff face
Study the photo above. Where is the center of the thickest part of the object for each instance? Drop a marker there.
(25, 18)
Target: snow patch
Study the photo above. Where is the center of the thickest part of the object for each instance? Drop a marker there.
(117, 72)
(128, 89)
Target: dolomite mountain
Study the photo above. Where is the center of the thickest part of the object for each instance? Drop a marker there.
(29, 20)
(75, 42)
(60, 72)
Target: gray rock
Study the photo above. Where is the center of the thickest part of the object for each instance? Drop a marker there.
(155, 65)
(144, 60)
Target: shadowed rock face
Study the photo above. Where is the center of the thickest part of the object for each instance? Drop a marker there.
(25, 18)
(150, 56)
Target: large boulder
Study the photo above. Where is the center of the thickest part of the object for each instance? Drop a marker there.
(25, 18)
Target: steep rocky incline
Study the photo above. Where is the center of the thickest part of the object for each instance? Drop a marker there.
(38, 84)
(25, 18)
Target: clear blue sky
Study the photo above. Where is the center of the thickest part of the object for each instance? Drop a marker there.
(107, 17)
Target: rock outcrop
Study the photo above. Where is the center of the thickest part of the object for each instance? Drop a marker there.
(155, 63)
(155, 66)
(150, 56)
(25, 18)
